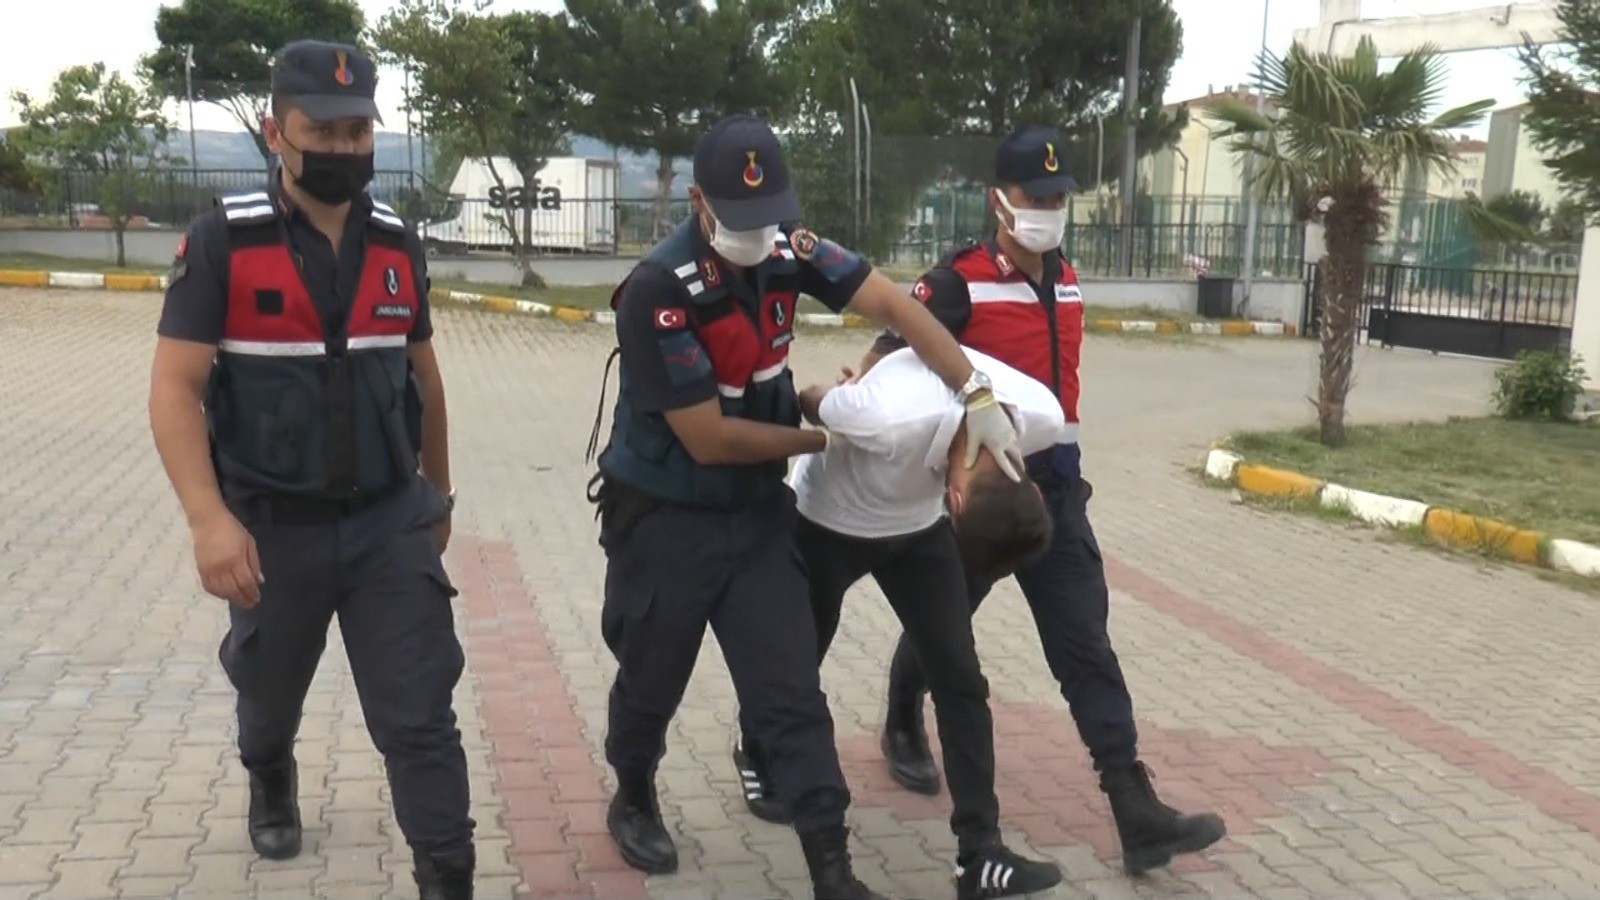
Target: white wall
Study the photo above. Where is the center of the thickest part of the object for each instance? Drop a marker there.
(1586, 319)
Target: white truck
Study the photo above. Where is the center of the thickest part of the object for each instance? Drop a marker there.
(570, 206)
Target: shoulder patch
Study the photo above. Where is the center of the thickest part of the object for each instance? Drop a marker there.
(922, 290)
(833, 261)
(385, 217)
(804, 243)
(685, 359)
(670, 318)
(247, 209)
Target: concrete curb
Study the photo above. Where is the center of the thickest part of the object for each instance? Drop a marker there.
(126, 282)
(1448, 526)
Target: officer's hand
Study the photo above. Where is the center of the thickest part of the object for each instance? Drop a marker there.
(225, 554)
(441, 533)
(989, 426)
(846, 376)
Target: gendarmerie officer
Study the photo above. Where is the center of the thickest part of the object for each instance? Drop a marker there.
(298, 315)
(696, 521)
(1015, 297)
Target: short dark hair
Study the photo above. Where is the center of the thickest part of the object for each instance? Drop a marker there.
(1003, 524)
(279, 107)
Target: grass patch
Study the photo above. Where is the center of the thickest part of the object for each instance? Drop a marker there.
(583, 296)
(51, 263)
(1535, 475)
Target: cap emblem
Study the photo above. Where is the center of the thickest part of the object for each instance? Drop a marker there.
(343, 75)
(1051, 164)
(753, 176)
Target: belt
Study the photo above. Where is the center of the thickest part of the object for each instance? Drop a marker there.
(296, 509)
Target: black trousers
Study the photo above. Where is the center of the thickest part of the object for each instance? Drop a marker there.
(920, 575)
(673, 570)
(1066, 590)
(379, 571)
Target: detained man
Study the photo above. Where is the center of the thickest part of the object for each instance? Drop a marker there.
(901, 494)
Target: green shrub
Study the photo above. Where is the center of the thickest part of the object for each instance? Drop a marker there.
(1540, 384)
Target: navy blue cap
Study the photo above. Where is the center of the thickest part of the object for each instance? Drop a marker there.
(740, 169)
(1030, 157)
(326, 81)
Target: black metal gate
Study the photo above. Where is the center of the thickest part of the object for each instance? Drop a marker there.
(1494, 313)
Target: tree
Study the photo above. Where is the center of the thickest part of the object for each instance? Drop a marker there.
(1343, 130)
(233, 43)
(654, 74)
(978, 71)
(1566, 223)
(113, 130)
(495, 86)
(14, 174)
(1563, 113)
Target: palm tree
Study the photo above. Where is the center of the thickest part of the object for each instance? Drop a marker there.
(1339, 133)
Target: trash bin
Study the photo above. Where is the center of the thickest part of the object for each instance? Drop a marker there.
(1216, 296)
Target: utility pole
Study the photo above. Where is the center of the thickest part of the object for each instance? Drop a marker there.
(1130, 145)
(188, 92)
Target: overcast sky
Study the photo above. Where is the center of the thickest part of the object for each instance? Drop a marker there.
(1218, 48)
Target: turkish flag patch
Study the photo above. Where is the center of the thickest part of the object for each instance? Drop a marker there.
(668, 317)
(921, 290)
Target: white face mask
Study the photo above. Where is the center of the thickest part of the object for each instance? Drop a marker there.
(1037, 230)
(743, 248)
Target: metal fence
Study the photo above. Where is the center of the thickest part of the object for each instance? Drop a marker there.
(162, 198)
(1492, 313)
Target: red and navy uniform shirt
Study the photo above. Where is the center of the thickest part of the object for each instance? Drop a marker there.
(991, 306)
(673, 364)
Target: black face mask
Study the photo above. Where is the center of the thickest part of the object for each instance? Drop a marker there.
(333, 178)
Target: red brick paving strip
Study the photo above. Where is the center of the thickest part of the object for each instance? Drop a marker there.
(551, 784)
(1499, 768)
(1048, 789)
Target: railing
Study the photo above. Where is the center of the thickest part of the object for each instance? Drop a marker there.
(1178, 251)
(1493, 295)
(166, 198)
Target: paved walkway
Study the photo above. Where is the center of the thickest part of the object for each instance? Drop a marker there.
(1375, 720)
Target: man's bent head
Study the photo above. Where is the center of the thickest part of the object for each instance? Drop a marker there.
(1000, 524)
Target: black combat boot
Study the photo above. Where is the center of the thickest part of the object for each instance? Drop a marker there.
(634, 820)
(827, 852)
(1151, 832)
(998, 871)
(445, 876)
(757, 785)
(905, 747)
(275, 810)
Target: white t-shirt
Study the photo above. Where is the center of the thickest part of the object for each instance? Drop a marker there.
(884, 473)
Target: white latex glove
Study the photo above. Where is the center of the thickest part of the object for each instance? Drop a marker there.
(989, 426)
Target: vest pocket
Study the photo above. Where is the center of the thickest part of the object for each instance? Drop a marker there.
(282, 433)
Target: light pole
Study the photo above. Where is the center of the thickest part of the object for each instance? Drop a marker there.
(1253, 215)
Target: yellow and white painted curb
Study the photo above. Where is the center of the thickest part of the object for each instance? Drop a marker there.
(1448, 526)
(111, 281)
(120, 281)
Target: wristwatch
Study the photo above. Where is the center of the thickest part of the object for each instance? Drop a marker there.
(450, 501)
(976, 382)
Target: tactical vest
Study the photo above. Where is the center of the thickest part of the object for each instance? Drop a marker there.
(1009, 323)
(302, 405)
(749, 352)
